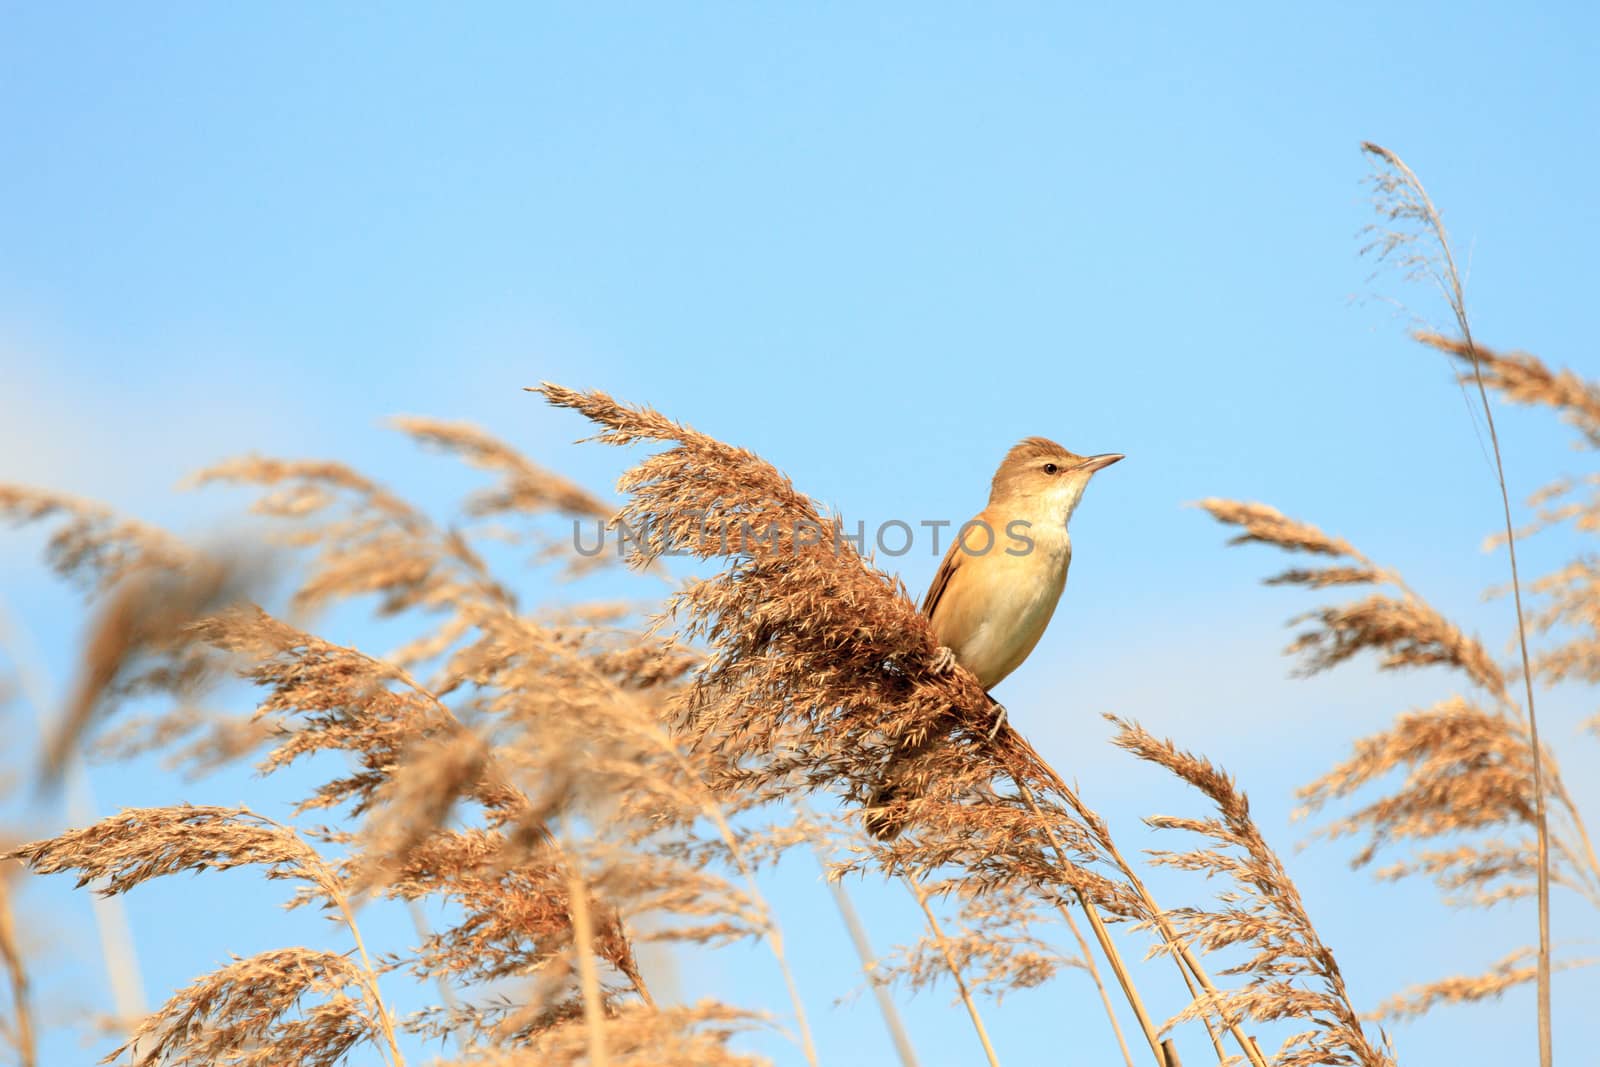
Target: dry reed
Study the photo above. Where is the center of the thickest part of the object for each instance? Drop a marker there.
(800, 669)
(18, 1031)
(679, 754)
(1415, 231)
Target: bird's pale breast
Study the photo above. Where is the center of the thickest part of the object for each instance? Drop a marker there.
(997, 606)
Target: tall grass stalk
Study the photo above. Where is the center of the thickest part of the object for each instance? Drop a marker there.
(1414, 202)
(915, 885)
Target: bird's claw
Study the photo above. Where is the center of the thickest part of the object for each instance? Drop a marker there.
(999, 720)
(943, 661)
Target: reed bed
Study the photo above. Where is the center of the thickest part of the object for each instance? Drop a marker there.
(567, 783)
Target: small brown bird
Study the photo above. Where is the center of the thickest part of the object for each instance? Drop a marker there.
(1003, 574)
(999, 583)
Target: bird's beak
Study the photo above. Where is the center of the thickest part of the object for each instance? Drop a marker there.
(1094, 463)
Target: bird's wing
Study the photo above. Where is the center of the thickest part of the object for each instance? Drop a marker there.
(941, 580)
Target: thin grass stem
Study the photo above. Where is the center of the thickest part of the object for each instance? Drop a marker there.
(955, 970)
(1094, 974)
(1456, 296)
(588, 974)
(869, 964)
(370, 980)
(1169, 936)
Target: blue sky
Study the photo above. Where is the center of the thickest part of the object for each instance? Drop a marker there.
(876, 246)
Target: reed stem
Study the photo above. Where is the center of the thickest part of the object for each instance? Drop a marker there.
(955, 970)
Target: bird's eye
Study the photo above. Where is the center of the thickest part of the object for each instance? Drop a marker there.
(1050, 468)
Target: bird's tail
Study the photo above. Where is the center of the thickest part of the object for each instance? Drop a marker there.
(880, 819)
(904, 780)
(887, 813)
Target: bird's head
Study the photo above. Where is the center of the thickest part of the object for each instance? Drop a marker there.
(1039, 477)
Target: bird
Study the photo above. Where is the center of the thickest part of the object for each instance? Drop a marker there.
(1001, 578)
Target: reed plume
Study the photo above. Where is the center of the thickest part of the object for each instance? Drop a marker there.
(1414, 232)
(568, 781)
(1292, 974)
(1466, 761)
